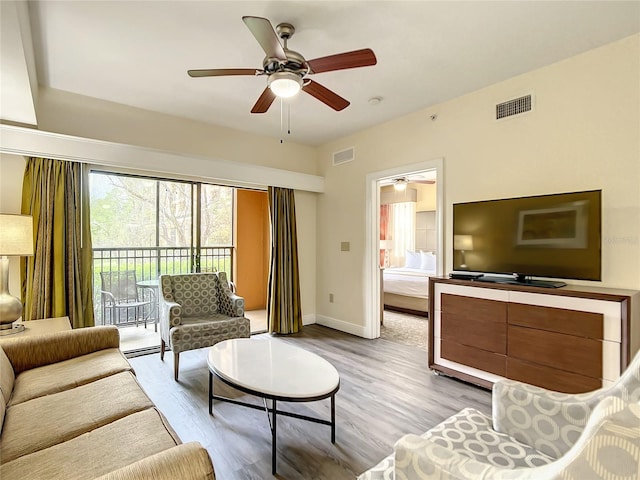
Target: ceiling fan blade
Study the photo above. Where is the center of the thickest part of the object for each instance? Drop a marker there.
(221, 72)
(266, 36)
(264, 102)
(342, 61)
(325, 95)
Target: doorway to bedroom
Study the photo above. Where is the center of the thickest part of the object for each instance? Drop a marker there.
(409, 239)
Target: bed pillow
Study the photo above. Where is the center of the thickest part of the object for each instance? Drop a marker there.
(412, 259)
(427, 261)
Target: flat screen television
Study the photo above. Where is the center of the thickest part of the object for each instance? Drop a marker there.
(554, 236)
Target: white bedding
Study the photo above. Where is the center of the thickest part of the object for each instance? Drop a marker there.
(413, 282)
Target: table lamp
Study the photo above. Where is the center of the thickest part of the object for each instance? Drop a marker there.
(16, 239)
(462, 243)
(386, 245)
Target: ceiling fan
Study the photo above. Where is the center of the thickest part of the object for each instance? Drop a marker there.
(287, 70)
(401, 183)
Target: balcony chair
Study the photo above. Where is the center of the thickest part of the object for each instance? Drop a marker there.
(198, 310)
(533, 434)
(120, 292)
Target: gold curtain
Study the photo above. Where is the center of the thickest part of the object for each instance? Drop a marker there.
(284, 312)
(57, 279)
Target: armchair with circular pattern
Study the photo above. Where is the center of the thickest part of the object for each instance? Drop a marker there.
(198, 310)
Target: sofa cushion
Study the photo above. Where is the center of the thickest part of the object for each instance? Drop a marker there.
(7, 376)
(470, 433)
(61, 376)
(45, 421)
(3, 409)
(186, 461)
(98, 452)
(200, 332)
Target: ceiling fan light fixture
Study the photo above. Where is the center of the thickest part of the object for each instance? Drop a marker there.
(400, 184)
(285, 84)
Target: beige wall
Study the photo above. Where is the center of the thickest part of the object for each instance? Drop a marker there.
(583, 134)
(426, 197)
(81, 116)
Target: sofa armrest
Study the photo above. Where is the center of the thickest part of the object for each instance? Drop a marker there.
(188, 461)
(26, 353)
(518, 408)
(170, 313)
(234, 307)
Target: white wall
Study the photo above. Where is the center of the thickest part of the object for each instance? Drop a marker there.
(583, 134)
(306, 228)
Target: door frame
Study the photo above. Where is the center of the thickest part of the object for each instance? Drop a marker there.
(372, 234)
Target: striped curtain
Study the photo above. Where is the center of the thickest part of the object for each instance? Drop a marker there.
(57, 279)
(284, 312)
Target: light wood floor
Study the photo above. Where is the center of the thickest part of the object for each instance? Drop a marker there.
(386, 391)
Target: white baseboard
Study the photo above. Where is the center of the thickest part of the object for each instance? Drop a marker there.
(308, 319)
(340, 325)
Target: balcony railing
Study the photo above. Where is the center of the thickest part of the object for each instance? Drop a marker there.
(148, 264)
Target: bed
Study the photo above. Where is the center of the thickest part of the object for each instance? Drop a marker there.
(406, 289)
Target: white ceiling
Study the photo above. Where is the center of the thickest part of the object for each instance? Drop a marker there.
(137, 53)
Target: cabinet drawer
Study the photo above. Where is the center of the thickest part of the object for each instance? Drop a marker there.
(557, 350)
(572, 322)
(473, 357)
(475, 322)
(550, 378)
(477, 308)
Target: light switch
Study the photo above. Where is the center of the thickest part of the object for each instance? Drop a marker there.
(345, 246)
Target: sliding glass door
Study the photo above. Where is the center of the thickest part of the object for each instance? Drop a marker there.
(145, 227)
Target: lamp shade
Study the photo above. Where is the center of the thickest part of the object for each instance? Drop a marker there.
(386, 244)
(463, 242)
(16, 235)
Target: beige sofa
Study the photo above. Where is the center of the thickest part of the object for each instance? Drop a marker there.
(71, 408)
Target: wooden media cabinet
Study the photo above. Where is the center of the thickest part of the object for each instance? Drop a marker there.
(571, 339)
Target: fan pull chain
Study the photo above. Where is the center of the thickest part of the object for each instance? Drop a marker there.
(281, 122)
(282, 119)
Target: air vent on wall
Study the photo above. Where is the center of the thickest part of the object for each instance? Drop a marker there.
(513, 107)
(344, 156)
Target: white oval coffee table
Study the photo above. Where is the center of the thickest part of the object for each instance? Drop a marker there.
(273, 370)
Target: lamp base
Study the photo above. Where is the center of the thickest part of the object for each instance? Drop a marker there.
(14, 328)
(10, 306)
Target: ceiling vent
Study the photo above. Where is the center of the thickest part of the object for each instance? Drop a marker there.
(517, 106)
(344, 156)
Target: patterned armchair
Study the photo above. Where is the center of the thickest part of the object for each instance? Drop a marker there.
(198, 310)
(535, 434)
